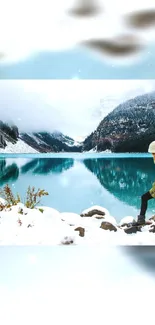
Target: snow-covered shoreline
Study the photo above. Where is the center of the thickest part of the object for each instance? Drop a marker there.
(21, 147)
(47, 226)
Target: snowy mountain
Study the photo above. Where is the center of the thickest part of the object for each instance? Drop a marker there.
(130, 127)
(64, 139)
(13, 141)
(50, 142)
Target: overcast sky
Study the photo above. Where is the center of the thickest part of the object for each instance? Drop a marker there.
(41, 39)
(74, 107)
(55, 29)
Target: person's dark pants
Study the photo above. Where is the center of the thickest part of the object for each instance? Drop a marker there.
(144, 201)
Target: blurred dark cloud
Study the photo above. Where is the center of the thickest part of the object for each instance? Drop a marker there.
(64, 25)
(121, 46)
(141, 19)
(85, 8)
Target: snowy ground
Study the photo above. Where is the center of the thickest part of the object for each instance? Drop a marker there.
(19, 147)
(21, 226)
(80, 285)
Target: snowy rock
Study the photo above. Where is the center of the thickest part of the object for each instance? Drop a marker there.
(97, 216)
(108, 226)
(95, 210)
(126, 220)
(132, 230)
(81, 231)
(152, 218)
(23, 226)
(67, 240)
(152, 228)
(110, 219)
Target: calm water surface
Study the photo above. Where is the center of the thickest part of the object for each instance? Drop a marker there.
(78, 181)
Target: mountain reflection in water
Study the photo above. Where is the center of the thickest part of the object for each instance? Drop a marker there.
(71, 186)
(126, 178)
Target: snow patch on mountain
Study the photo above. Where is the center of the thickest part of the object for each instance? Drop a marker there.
(19, 147)
(94, 150)
(65, 139)
(31, 135)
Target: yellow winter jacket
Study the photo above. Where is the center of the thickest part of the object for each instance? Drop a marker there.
(152, 190)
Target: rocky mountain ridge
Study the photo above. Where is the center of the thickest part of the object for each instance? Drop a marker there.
(130, 127)
(42, 142)
(8, 133)
(50, 142)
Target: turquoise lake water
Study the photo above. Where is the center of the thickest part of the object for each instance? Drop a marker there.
(77, 181)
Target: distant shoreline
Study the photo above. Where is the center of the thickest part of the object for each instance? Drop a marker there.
(146, 154)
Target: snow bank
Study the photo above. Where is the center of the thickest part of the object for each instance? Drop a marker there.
(97, 208)
(47, 226)
(126, 220)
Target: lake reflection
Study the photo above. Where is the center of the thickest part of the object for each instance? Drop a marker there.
(126, 178)
(48, 165)
(74, 185)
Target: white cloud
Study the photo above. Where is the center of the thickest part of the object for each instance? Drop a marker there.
(74, 107)
(29, 26)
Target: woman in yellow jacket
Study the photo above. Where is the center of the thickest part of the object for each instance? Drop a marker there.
(148, 195)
